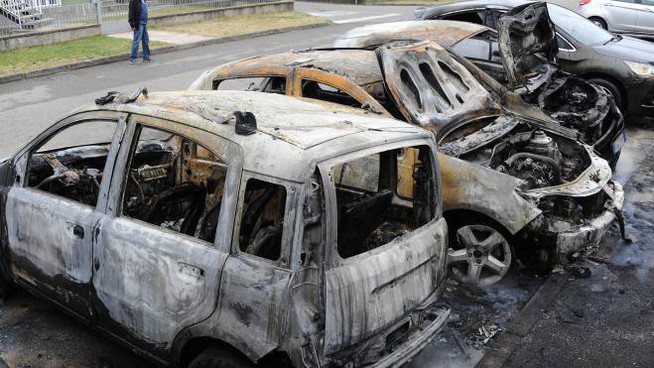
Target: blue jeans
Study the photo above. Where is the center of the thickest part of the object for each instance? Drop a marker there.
(141, 35)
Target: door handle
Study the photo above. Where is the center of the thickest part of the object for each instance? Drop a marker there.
(78, 231)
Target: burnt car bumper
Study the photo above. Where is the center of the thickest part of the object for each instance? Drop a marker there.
(401, 343)
(555, 238)
(433, 321)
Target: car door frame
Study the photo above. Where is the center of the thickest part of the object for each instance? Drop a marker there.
(73, 293)
(109, 315)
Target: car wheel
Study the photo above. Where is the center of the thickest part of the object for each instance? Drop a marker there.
(481, 255)
(613, 89)
(215, 357)
(599, 22)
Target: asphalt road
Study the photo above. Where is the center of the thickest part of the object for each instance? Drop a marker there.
(603, 319)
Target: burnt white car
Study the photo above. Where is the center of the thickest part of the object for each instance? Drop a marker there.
(232, 228)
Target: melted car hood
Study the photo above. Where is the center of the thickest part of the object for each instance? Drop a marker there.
(527, 42)
(628, 48)
(430, 88)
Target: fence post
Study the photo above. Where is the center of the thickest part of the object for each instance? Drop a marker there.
(98, 11)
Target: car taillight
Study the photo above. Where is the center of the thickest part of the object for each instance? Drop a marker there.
(583, 2)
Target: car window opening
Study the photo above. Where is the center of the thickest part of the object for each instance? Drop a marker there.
(324, 92)
(174, 183)
(263, 84)
(71, 162)
(381, 197)
(262, 219)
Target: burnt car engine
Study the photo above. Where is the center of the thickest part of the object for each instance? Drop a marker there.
(537, 159)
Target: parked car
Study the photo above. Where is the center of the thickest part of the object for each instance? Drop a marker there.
(622, 64)
(630, 17)
(514, 186)
(208, 229)
(572, 101)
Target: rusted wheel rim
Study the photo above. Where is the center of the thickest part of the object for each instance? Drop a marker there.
(483, 256)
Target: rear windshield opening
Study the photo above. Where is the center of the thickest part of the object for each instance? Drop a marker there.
(383, 196)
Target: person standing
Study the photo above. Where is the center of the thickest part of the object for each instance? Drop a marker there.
(138, 20)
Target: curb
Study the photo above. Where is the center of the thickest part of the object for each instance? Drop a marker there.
(522, 323)
(123, 57)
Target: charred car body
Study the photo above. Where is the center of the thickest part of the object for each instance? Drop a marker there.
(229, 228)
(521, 55)
(507, 179)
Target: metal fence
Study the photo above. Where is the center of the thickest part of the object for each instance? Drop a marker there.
(86, 12)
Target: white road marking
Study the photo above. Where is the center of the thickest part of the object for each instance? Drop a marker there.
(334, 13)
(363, 19)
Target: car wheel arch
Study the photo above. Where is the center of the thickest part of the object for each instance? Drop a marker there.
(620, 87)
(196, 345)
(600, 21)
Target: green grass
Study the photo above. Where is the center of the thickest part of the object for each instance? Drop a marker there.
(244, 24)
(48, 56)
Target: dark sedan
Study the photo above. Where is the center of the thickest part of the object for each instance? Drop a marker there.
(624, 65)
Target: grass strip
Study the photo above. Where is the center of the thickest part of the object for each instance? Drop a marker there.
(244, 24)
(48, 56)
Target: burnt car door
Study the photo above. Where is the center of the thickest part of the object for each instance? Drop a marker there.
(160, 253)
(255, 287)
(54, 206)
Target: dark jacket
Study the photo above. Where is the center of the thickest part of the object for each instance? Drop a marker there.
(134, 13)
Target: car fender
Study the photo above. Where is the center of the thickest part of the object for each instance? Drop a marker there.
(473, 187)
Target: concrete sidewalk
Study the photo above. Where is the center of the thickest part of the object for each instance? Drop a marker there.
(173, 38)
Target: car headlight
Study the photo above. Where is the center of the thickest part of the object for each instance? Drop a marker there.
(643, 70)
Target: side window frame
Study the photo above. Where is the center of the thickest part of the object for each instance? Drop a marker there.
(572, 49)
(343, 84)
(226, 150)
(288, 230)
(22, 158)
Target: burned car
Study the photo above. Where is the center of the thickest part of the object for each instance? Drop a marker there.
(523, 57)
(513, 186)
(223, 229)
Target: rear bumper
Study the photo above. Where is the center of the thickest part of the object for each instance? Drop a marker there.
(422, 335)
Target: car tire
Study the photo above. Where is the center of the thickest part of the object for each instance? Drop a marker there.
(215, 357)
(599, 21)
(468, 253)
(613, 89)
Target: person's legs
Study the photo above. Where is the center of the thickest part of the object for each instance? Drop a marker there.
(138, 34)
(146, 42)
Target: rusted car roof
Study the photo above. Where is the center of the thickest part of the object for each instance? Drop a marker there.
(360, 66)
(446, 33)
(291, 132)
